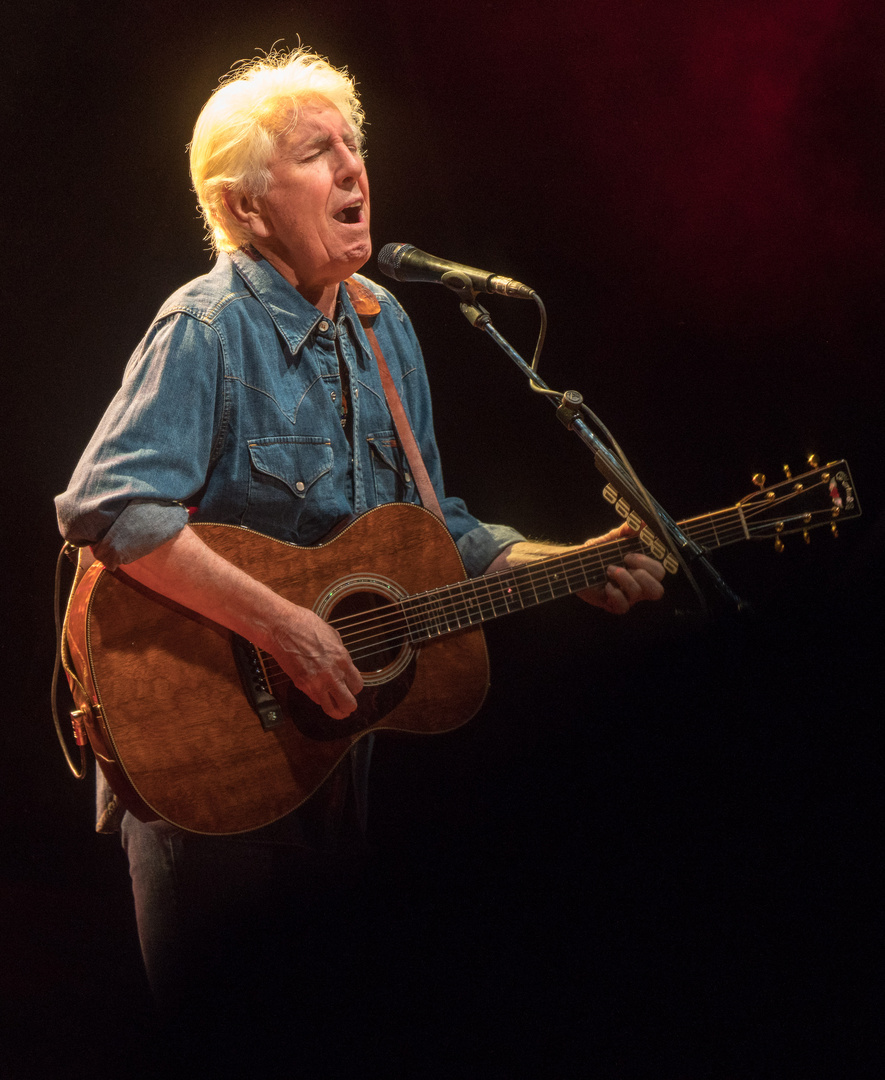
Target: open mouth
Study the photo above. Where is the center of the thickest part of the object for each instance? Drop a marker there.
(350, 215)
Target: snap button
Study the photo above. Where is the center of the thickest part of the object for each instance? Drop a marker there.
(299, 486)
(408, 478)
(324, 326)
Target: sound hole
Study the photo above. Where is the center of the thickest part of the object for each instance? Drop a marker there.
(372, 629)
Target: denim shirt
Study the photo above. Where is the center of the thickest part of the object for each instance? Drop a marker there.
(229, 412)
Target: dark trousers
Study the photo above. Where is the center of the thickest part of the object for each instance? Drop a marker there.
(265, 948)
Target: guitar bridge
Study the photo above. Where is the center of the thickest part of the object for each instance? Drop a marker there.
(254, 680)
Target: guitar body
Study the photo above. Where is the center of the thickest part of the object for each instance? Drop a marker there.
(165, 708)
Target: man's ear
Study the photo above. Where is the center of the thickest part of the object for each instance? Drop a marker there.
(248, 212)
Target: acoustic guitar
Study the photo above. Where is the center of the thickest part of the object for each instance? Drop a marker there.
(192, 724)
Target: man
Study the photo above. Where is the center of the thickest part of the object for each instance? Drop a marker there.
(255, 399)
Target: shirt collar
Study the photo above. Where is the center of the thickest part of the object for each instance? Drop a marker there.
(294, 317)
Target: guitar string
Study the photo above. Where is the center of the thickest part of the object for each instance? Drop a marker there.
(449, 603)
(356, 625)
(600, 554)
(466, 593)
(573, 573)
(573, 568)
(487, 592)
(455, 612)
(425, 616)
(449, 617)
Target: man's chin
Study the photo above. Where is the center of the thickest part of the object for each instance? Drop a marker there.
(357, 256)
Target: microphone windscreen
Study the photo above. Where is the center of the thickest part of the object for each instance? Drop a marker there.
(389, 258)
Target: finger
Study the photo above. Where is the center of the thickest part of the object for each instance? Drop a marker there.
(619, 532)
(609, 597)
(625, 582)
(652, 587)
(635, 585)
(353, 680)
(646, 563)
(338, 703)
(641, 585)
(615, 601)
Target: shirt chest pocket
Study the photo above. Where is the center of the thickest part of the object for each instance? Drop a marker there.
(390, 469)
(291, 488)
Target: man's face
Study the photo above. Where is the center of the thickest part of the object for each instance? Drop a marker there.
(315, 216)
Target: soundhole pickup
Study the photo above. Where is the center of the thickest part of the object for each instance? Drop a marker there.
(254, 680)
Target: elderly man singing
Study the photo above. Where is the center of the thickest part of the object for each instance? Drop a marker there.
(255, 399)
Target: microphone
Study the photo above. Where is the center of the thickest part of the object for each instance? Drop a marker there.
(403, 262)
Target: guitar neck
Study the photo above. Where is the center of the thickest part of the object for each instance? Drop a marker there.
(454, 607)
(477, 600)
(815, 498)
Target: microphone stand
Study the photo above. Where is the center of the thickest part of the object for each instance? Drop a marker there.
(568, 411)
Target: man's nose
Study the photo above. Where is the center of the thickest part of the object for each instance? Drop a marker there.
(350, 163)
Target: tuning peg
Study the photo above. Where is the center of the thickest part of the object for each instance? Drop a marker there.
(812, 461)
(778, 545)
(787, 472)
(759, 479)
(834, 530)
(805, 536)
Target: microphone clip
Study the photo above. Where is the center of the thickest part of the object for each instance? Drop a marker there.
(462, 285)
(459, 283)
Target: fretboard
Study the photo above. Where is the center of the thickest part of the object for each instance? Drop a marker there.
(477, 600)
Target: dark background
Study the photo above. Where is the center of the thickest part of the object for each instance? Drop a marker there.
(652, 852)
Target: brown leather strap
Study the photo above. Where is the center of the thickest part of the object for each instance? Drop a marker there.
(367, 306)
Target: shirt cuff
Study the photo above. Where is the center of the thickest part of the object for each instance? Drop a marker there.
(481, 546)
(138, 530)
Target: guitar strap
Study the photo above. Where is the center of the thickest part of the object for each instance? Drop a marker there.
(367, 306)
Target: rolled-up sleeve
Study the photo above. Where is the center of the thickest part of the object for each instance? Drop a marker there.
(151, 452)
(479, 547)
(138, 530)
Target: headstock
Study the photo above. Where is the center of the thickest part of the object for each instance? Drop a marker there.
(822, 496)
